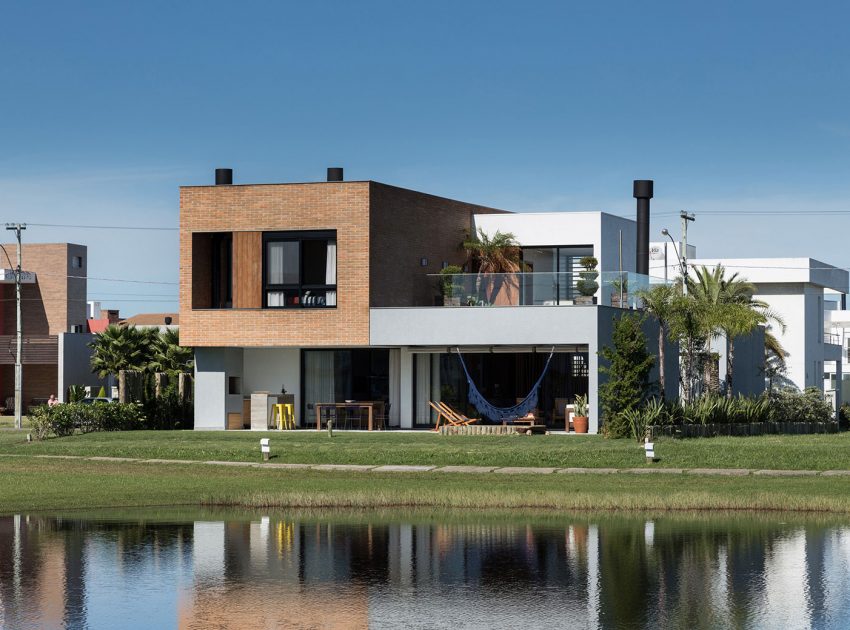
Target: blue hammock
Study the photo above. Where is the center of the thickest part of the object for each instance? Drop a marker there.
(497, 414)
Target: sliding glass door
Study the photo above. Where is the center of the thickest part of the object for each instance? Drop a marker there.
(553, 273)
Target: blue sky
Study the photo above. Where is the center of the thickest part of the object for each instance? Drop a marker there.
(107, 107)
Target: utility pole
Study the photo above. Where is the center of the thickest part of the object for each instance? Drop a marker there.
(685, 219)
(18, 227)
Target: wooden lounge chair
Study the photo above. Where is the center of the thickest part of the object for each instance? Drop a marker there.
(459, 418)
(451, 416)
(440, 415)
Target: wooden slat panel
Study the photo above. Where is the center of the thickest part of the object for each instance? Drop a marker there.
(247, 269)
(36, 350)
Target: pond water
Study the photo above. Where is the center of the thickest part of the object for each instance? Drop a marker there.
(194, 569)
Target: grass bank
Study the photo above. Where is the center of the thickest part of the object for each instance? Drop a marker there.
(799, 452)
(31, 484)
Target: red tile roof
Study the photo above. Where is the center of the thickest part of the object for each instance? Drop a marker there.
(97, 325)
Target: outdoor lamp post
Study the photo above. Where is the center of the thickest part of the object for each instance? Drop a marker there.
(683, 264)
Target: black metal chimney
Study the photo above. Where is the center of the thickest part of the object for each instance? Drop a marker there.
(335, 174)
(643, 193)
(223, 176)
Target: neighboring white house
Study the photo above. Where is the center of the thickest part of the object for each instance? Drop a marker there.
(837, 329)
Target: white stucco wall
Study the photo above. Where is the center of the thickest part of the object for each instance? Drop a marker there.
(597, 229)
(213, 366)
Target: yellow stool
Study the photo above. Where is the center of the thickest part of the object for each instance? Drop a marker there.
(283, 415)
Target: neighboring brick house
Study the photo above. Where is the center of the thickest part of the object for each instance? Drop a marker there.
(324, 289)
(161, 321)
(52, 306)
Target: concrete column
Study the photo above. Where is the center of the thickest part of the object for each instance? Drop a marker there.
(839, 398)
(395, 378)
(593, 389)
(406, 389)
(435, 383)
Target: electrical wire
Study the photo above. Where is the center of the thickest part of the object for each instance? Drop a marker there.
(105, 227)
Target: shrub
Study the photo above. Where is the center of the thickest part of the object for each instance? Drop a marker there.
(76, 393)
(169, 411)
(40, 420)
(627, 366)
(788, 405)
(63, 420)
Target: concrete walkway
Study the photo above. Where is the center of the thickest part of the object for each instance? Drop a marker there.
(465, 470)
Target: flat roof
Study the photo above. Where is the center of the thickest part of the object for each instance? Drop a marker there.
(782, 271)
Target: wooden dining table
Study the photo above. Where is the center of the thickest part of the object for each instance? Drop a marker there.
(371, 407)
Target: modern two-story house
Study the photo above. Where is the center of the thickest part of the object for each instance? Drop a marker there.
(330, 290)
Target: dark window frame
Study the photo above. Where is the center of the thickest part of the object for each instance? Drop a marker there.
(298, 237)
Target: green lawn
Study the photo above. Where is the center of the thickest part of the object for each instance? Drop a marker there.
(31, 485)
(8, 422)
(816, 452)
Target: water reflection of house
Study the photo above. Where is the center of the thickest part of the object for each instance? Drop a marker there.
(42, 576)
(269, 573)
(282, 572)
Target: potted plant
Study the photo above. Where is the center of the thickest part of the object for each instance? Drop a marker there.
(587, 284)
(620, 291)
(498, 261)
(450, 291)
(580, 418)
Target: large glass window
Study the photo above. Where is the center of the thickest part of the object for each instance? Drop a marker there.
(554, 273)
(338, 375)
(299, 269)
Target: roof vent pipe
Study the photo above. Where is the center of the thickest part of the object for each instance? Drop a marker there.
(335, 174)
(643, 193)
(223, 176)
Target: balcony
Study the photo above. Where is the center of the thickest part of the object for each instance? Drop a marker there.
(40, 350)
(606, 288)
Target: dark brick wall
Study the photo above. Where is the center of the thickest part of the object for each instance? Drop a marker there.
(406, 226)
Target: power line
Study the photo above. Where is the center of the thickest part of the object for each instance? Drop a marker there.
(62, 275)
(106, 227)
(50, 299)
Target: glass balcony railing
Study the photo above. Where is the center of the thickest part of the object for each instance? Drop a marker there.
(607, 288)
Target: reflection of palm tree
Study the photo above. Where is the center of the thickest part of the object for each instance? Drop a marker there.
(734, 312)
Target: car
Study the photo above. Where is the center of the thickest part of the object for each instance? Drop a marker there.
(95, 399)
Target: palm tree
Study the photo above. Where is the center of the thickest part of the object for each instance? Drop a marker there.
(499, 254)
(734, 312)
(120, 348)
(688, 321)
(169, 356)
(658, 301)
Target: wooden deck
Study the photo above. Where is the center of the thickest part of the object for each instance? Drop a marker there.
(494, 429)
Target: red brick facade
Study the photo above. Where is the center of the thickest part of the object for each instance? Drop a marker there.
(53, 305)
(383, 233)
(57, 300)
